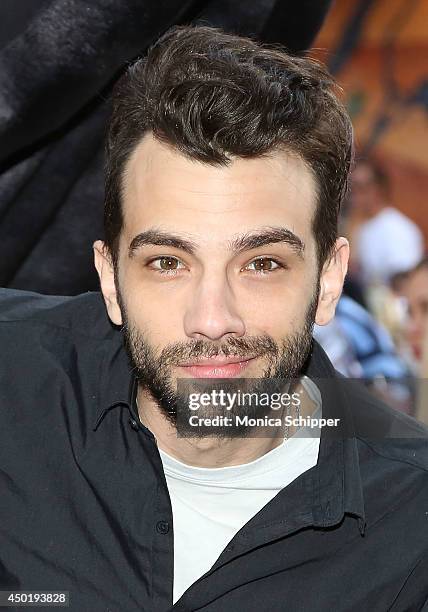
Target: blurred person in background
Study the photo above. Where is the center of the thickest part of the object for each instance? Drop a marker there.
(367, 343)
(360, 347)
(415, 290)
(386, 242)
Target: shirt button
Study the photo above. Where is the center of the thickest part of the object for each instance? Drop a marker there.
(162, 527)
(133, 424)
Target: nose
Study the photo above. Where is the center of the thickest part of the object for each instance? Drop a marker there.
(212, 311)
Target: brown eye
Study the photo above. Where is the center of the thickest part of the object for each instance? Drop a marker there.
(263, 264)
(166, 264)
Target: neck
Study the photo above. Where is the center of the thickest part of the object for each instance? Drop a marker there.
(211, 452)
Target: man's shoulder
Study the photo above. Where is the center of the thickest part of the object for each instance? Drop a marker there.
(389, 433)
(392, 455)
(54, 349)
(80, 314)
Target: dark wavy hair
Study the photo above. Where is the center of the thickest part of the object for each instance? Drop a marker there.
(214, 96)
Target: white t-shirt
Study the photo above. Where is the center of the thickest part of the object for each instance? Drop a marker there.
(210, 505)
(387, 244)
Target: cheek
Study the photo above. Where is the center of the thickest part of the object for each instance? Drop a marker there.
(159, 317)
(161, 324)
(277, 312)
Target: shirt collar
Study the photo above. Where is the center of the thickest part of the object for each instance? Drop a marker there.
(117, 382)
(338, 454)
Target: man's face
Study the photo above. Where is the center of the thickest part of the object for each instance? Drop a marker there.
(217, 273)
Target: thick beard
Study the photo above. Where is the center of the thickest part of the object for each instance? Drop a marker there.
(153, 372)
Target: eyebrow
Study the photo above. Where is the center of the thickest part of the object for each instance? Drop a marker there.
(154, 237)
(266, 236)
(238, 244)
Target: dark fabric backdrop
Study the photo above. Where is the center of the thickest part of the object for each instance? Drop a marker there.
(58, 61)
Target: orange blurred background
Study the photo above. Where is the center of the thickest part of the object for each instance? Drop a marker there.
(378, 52)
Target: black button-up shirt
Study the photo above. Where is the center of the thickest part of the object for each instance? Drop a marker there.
(84, 504)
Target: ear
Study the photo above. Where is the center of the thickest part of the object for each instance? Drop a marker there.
(104, 266)
(331, 282)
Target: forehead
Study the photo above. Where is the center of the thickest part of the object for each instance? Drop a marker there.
(162, 187)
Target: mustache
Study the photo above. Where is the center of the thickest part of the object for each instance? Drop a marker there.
(204, 349)
(177, 352)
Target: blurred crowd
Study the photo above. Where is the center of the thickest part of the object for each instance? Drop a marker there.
(380, 332)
